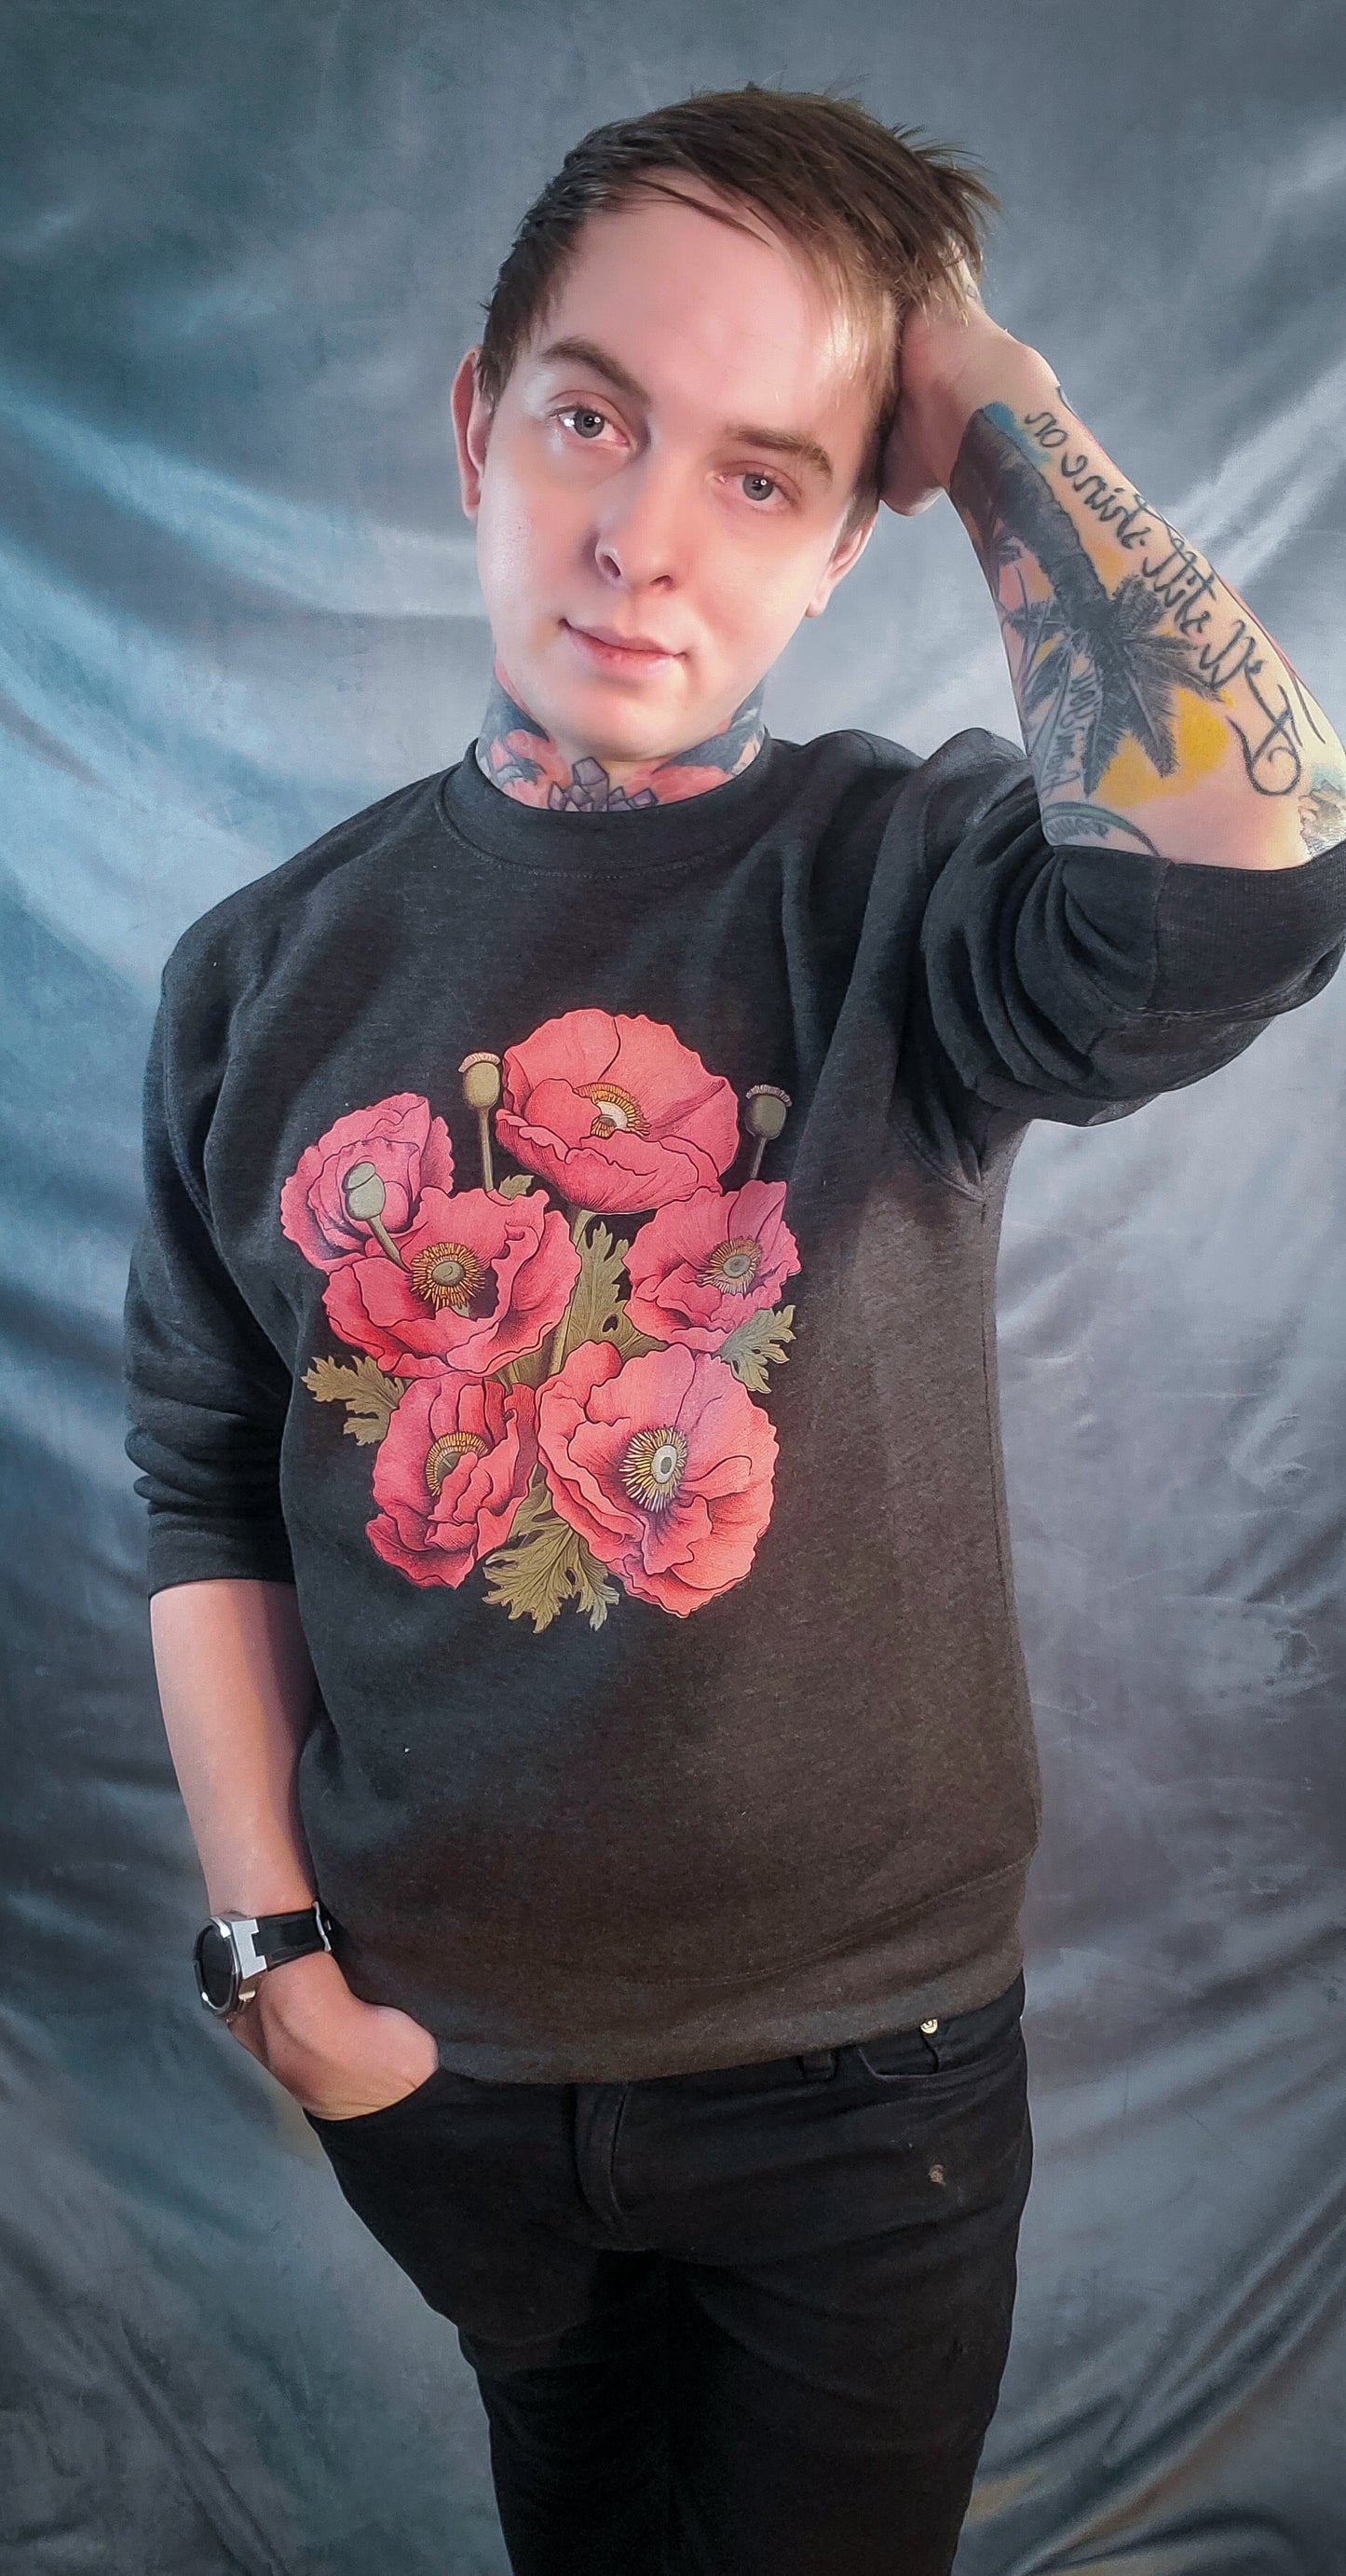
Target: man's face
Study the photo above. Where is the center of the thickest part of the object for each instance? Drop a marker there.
(650, 505)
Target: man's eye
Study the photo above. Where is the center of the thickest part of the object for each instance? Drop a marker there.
(769, 479)
(582, 411)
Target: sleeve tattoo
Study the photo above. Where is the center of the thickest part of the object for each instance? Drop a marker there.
(1104, 673)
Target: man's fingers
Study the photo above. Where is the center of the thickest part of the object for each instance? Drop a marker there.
(911, 506)
(906, 490)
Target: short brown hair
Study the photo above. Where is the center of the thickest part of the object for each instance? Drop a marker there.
(879, 217)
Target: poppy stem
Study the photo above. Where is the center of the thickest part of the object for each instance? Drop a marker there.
(481, 1091)
(386, 1240)
(578, 1223)
(765, 1109)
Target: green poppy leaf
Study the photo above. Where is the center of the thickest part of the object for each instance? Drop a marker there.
(545, 1564)
(757, 1343)
(369, 1397)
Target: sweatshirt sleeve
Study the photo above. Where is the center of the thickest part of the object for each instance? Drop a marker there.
(206, 1390)
(1075, 983)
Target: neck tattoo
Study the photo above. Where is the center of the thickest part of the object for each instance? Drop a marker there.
(519, 756)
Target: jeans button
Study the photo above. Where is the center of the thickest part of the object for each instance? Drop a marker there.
(929, 2026)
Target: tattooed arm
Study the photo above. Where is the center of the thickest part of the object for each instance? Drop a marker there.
(1157, 713)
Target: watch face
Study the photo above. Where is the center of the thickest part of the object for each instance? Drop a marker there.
(216, 1968)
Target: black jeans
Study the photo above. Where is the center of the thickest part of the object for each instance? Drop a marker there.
(746, 2323)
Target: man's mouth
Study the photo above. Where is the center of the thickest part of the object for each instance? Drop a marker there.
(605, 648)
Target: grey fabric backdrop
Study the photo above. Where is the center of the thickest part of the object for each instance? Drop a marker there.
(244, 248)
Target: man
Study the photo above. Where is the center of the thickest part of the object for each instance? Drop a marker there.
(628, 1722)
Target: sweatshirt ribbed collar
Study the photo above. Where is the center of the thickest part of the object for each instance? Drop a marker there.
(653, 836)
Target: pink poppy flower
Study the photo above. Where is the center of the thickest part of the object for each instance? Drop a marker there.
(704, 1263)
(616, 1113)
(450, 1473)
(665, 1466)
(408, 1150)
(481, 1279)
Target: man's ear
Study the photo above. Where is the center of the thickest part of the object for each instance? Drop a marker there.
(839, 564)
(472, 417)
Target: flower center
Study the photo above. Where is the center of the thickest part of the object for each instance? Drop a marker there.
(443, 1456)
(616, 1109)
(447, 1274)
(652, 1469)
(734, 1266)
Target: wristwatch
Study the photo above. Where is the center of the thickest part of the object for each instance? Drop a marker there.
(233, 1951)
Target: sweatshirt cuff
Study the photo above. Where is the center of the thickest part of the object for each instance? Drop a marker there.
(1227, 938)
(251, 1550)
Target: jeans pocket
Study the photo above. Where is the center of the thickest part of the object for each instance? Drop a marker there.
(969, 2044)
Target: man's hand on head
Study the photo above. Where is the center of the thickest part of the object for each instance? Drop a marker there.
(951, 358)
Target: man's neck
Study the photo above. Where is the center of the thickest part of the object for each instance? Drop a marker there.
(519, 756)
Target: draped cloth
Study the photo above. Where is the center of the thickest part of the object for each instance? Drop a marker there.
(245, 248)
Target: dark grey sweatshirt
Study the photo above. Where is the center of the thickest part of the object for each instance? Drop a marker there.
(624, 1405)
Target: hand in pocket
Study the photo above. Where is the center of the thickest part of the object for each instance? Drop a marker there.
(339, 2057)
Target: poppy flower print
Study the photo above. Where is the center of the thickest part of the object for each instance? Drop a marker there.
(375, 1160)
(705, 1263)
(664, 1465)
(615, 1113)
(451, 1471)
(478, 1279)
(571, 1411)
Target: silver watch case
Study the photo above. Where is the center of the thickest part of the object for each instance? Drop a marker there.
(247, 1963)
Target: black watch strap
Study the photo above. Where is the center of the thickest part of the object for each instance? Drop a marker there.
(280, 1937)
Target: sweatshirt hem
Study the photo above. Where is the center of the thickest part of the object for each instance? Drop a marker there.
(950, 1957)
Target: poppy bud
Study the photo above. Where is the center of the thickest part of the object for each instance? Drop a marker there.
(481, 1080)
(366, 1199)
(764, 1109)
(365, 1194)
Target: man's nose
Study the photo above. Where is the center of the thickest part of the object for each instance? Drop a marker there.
(644, 527)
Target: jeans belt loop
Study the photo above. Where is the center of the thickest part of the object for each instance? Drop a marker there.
(819, 2064)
